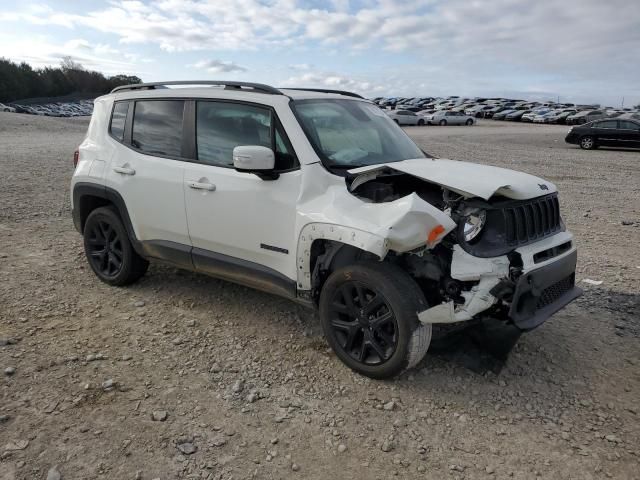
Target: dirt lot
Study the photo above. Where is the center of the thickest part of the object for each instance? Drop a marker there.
(245, 379)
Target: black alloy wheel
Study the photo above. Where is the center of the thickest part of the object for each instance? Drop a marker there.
(369, 315)
(104, 249)
(108, 248)
(363, 323)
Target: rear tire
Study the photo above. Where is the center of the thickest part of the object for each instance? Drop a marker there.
(587, 143)
(368, 312)
(109, 251)
(443, 122)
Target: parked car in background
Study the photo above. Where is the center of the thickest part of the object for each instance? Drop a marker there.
(449, 118)
(554, 116)
(529, 116)
(606, 133)
(517, 115)
(406, 117)
(409, 107)
(629, 116)
(6, 108)
(502, 114)
(584, 116)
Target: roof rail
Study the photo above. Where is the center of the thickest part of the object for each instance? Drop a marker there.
(256, 87)
(324, 90)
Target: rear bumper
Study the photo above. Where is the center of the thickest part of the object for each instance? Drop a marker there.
(542, 292)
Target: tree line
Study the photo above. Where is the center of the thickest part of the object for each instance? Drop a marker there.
(19, 81)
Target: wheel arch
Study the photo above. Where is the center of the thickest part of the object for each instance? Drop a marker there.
(89, 196)
(332, 245)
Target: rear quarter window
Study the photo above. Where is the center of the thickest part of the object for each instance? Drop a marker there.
(118, 118)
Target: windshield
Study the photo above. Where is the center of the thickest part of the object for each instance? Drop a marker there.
(351, 133)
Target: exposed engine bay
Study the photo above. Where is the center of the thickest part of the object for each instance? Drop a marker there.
(474, 268)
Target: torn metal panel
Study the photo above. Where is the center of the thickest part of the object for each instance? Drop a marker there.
(469, 179)
(464, 267)
(323, 231)
(401, 225)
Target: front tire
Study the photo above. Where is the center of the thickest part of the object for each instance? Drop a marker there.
(109, 251)
(469, 122)
(420, 123)
(443, 122)
(587, 143)
(369, 316)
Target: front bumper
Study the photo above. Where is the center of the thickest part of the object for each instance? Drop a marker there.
(542, 292)
(571, 138)
(546, 285)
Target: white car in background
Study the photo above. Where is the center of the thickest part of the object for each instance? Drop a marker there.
(405, 117)
(6, 108)
(449, 118)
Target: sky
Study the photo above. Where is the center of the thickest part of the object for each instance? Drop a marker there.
(577, 51)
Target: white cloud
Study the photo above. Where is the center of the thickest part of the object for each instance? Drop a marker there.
(333, 81)
(218, 66)
(592, 46)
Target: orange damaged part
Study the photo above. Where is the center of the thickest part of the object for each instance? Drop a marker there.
(434, 234)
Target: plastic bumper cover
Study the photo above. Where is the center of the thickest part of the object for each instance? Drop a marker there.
(542, 292)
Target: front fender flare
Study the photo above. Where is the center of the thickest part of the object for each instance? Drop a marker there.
(366, 241)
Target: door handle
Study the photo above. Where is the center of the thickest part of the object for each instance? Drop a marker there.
(124, 170)
(210, 187)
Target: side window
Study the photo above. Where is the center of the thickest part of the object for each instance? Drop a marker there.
(626, 125)
(221, 126)
(607, 124)
(118, 118)
(157, 127)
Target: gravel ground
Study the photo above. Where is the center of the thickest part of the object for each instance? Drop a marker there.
(185, 377)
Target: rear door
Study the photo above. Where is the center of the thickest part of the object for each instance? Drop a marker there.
(146, 169)
(629, 134)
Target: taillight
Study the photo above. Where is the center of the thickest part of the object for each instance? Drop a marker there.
(76, 158)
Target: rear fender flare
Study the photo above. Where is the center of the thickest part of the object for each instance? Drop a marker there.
(82, 189)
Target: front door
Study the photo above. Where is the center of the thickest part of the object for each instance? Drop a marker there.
(607, 133)
(238, 217)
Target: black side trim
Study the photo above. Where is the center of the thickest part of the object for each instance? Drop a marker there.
(243, 272)
(274, 248)
(174, 253)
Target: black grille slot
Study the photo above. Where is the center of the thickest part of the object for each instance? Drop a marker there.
(532, 219)
(555, 291)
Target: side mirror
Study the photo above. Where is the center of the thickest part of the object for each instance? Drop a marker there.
(253, 158)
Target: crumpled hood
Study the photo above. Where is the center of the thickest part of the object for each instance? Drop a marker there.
(469, 179)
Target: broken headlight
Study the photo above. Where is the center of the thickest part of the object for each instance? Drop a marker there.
(473, 224)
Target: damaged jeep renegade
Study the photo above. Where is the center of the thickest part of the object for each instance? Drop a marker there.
(317, 196)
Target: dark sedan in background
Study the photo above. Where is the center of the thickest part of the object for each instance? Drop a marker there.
(606, 133)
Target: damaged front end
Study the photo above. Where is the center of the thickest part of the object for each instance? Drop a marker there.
(507, 258)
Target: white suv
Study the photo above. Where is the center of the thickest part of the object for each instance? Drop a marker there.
(320, 197)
